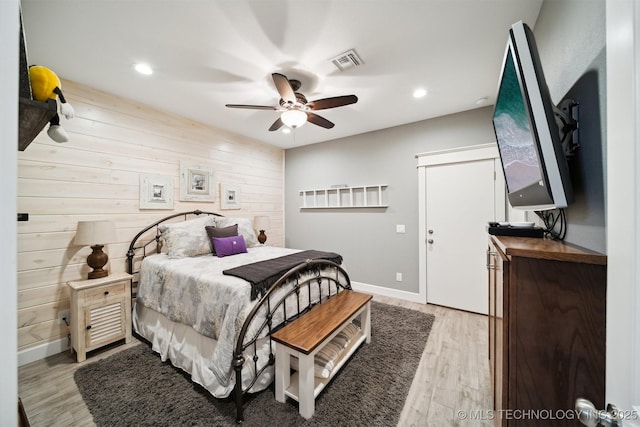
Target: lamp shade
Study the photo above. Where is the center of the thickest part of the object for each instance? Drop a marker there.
(261, 222)
(95, 233)
(294, 118)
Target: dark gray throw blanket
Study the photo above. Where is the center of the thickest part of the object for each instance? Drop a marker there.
(263, 274)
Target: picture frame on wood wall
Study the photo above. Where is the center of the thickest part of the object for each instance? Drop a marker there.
(156, 192)
(229, 196)
(196, 182)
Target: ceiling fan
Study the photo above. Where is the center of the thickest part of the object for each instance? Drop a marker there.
(295, 108)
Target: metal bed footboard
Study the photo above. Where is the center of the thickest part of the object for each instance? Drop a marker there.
(317, 273)
(298, 281)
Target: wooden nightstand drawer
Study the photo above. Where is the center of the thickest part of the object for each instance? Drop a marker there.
(103, 292)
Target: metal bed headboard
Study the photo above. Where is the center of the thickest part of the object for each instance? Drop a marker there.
(153, 245)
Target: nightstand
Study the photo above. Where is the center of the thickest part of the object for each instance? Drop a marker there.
(100, 312)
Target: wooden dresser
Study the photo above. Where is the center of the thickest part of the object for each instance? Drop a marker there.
(547, 316)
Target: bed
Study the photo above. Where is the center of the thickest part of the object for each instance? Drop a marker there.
(210, 312)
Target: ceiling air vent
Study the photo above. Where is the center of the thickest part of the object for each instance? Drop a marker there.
(347, 60)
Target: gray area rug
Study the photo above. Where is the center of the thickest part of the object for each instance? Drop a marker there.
(134, 388)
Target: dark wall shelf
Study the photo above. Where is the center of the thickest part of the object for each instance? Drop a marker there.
(34, 115)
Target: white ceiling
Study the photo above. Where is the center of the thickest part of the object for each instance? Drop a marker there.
(208, 53)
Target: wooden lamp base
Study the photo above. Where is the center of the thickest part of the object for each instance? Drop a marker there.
(97, 260)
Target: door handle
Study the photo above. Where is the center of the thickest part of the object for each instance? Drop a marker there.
(590, 416)
(489, 255)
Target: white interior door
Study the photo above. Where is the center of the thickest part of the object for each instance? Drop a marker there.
(623, 205)
(460, 200)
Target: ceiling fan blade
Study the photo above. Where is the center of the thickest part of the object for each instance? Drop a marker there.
(336, 101)
(284, 87)
(320, 121)
(251, 107)
(276, 125)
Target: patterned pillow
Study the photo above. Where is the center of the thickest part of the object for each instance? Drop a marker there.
(245, 229)
(188, 238)
(214, 232)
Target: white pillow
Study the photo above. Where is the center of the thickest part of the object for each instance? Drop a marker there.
(245, 228)
(188, 238)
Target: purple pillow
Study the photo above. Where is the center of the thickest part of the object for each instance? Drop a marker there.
(214, 232)
(229, 245)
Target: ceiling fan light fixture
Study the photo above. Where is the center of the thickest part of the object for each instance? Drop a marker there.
(420, 93)
(143, 69)
(294, 118)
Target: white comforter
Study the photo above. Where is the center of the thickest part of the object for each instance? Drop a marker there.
(194, 292)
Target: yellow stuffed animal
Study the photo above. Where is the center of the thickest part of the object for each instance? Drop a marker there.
(45, 85)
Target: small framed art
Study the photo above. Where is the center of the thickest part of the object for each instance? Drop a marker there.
(156, 192)
(229, 196)
(196, 182)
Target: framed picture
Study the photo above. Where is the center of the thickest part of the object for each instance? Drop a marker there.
(229, 196)
(156, 192)
(196, 182)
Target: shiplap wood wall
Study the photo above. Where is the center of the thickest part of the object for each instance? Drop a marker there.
(96, 176)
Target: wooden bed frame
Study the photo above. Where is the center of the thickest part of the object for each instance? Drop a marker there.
(324, 270)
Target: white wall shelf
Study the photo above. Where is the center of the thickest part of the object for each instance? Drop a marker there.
(363, 196)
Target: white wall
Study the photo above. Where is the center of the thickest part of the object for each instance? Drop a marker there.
(570, 35)
(96, 175)
(367, 238)
(9, 41)
(623, 232)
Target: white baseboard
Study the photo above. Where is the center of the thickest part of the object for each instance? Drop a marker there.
(43, 350)
(54, 347)
(388, 292)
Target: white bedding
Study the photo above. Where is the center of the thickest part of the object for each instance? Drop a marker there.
(192, 314)
(174, 287)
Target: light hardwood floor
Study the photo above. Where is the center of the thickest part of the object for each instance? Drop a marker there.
(453, 376)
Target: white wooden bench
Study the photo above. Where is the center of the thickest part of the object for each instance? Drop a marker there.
(307, 335)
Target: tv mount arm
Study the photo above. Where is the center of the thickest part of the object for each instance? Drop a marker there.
(566, 113)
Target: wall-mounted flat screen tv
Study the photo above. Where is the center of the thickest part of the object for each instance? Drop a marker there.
(533, 160)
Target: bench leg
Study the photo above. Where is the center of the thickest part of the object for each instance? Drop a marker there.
(283, 371)
(306, 399)
(365, 320)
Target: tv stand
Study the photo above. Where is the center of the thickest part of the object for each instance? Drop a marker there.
(547, 314)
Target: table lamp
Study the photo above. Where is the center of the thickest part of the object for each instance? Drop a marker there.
(261, 223)
(96, 234)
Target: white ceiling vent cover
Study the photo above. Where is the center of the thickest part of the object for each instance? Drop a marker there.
(347, 60)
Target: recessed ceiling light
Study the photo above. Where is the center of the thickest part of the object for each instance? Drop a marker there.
(143, 69)
(419, 93)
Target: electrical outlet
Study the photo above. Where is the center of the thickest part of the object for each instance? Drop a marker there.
(63, 314)
(398, 277)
